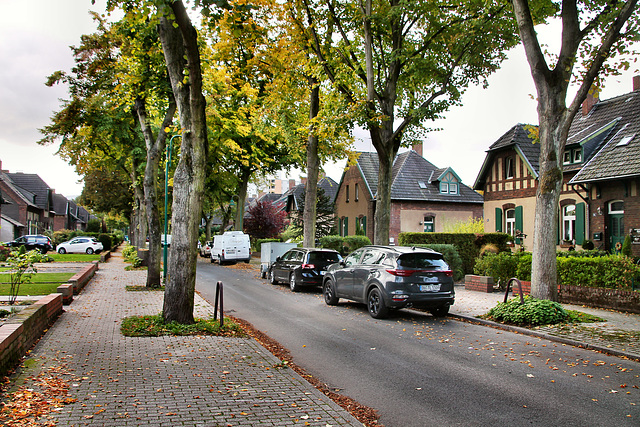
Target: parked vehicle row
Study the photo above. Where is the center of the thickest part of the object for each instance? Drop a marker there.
(382, 277)
(231, 246)
(43, 244)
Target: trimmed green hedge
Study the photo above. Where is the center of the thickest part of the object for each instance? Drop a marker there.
(610, 271)
(344, 245)
(467, 244)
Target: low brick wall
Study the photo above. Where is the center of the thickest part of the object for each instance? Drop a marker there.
(19, 333)
(478, 283)
(526, 288)
(67, 293)
(81, 278)
(104, 256)
(600, 297)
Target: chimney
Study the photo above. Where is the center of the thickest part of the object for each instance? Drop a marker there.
(417, 147)
(590, 101)
(636, 83)
(292, 183)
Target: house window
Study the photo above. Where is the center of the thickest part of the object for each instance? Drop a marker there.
(508, 169)
(567, 157)
(444, 187)
(361, 226)
(568, 222)
(577, 155)
(429, 224)
(510, 222)
(347, 199)
(357, 192)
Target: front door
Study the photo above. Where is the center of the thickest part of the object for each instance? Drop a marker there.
(616, 224)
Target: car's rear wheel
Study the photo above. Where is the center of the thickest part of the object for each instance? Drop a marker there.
(293, 284)
(329, 292)
(272, 277)
(375, 303)
(212, 260)
(62, 251)
(440, 311)
(89, 251)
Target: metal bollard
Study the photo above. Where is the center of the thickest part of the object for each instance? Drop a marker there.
(219, 296)
(506, 294)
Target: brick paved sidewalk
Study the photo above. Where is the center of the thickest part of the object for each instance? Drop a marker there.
(167, 381)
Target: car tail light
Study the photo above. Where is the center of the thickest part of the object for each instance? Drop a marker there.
(308, 266)
(407, 273)
(401, 273)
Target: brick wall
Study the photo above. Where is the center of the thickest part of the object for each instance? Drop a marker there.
(20, 332)
(478, 283)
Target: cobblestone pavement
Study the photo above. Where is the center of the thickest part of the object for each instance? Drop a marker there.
(167, 381)
(618, 335)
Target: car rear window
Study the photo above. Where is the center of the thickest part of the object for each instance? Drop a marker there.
(422, 260)
(323, 257)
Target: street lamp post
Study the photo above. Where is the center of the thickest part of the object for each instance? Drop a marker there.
(166, 203)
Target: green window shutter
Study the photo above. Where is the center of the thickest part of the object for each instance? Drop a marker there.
(346, 226)
(518, 222)
(340, 227)
(498, 220)
(364, 225)
(580, 223)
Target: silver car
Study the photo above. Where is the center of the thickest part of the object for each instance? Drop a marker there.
(391, 277)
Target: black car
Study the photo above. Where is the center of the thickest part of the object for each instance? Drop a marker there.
(392, 277)
(302, 267)
(32, 241)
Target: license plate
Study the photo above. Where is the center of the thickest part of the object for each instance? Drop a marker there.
(429, 288)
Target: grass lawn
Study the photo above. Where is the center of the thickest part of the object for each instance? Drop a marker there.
(41, 283)
(73, 257)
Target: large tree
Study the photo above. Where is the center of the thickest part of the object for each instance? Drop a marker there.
(593, 33)
(400, 63)
(179, 41)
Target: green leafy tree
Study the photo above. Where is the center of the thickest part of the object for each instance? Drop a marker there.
(401, 63)
(595, 40)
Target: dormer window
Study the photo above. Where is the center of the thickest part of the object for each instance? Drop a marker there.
(449, 184)
(572, 155)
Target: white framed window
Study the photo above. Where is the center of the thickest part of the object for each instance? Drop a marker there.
(449, 184)
(567, 157)
(577, 155)
(568, 222)
(510, 222)
(444, 187)
(616, 207)
(509, 168)
(429, 223)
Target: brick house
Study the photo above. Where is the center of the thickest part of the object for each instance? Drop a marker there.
(21, 212)
(424, 198)
(591, 202)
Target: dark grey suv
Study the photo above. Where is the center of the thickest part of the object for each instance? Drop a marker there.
(32, 241)
(391, 277)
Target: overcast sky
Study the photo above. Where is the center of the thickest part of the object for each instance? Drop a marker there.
(35, 36)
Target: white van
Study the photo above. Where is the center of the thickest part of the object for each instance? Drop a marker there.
(231, 246)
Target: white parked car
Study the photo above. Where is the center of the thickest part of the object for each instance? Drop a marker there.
(80, 244)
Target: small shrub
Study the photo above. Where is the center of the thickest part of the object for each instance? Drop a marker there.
(501, 267)
(489, 248)
(130, 255)
(533, 312)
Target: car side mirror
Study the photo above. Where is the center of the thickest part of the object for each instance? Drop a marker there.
(278, 259)
(343, 264)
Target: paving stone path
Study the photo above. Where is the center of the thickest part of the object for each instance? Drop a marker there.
(167, 381)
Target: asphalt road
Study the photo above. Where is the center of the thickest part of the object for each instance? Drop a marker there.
(417, 370)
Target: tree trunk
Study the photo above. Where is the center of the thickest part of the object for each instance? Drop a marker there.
(243, 185)
(139, 238)
(155, 149)
(313, 165)
(553, 135)
(183, 64)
